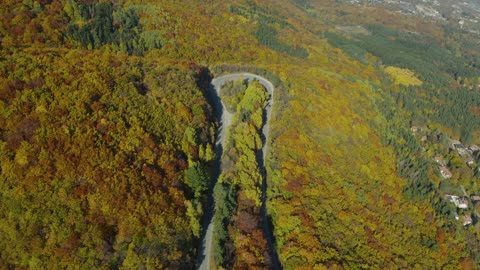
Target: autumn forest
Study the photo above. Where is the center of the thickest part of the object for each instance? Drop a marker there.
(109, 128)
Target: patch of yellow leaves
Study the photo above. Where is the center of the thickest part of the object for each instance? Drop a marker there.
(403, 76)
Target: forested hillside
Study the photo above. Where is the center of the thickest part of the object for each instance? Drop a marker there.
(107, 133)
(103, 160)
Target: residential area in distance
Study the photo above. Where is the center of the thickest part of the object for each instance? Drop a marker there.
(465, 14)
(455, 164)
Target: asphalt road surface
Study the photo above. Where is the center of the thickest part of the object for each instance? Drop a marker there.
(205, 251)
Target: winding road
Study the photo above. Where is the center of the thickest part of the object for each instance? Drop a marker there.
(205, 250)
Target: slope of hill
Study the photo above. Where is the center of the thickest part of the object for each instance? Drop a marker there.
(107, 133)
(102, 161)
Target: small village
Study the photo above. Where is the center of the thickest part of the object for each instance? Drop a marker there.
(465, 13)
(466, 204)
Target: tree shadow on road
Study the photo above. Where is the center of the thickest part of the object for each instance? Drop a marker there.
(209, 208)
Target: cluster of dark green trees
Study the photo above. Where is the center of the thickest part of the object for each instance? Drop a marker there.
(453, 109)
(266, 33)
(411, 163)
(437, 67)
(225, 206)
(267, 36)
(94, 25)
(435, 63)
(255, 12)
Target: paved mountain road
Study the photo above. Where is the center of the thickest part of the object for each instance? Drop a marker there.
(205, 251)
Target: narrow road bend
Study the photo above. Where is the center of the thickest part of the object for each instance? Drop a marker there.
(205, 250)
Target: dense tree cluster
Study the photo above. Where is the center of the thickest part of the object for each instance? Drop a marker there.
(266, 33)
(336, 199)
(103, 161)
(438, 67)
(96, 24)
(240, 241)
(232, 93)
(31, 22)
(267, 36)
